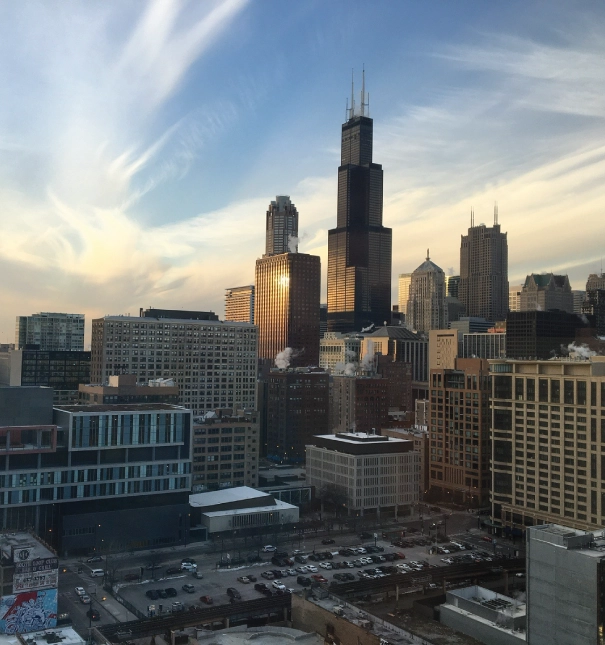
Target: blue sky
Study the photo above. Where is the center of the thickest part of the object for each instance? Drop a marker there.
(140, 143)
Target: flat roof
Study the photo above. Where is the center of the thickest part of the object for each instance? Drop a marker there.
(278, 506)
(225, 496)
(122, 407)
(10, 542)
(177, 321)
(360, 438)
(59, 635)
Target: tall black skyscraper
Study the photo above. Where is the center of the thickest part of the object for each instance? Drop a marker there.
(359, 248)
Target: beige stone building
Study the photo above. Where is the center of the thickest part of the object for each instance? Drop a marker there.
(548, 434)
(443, 348)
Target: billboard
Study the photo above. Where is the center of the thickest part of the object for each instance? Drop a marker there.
(39, 573)
(28, 611)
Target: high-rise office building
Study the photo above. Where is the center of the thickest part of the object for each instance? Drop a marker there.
(286, 309)
(426, 304)
(50, 332)
(294, 405)
(514, 297)
(483, 286)
(578, 300)
(403, 292)
(546, 291)
(239, 304)
(359, 248)
(213, 363)
(452, 285)
(282, 227)
(460, 433)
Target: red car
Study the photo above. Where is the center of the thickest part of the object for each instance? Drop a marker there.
(207, 599)
(319, 578)
(487, 538)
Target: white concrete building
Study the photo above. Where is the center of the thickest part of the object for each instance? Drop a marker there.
(364, 471)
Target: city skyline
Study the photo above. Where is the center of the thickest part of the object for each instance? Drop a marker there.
(139, 144)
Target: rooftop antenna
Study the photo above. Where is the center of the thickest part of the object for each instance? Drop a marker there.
(352, 111)
(472, 217)
(363, 91)
(495, 213)
(347, 110)
(427, 255)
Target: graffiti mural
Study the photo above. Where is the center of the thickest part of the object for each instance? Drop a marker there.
(28, 612)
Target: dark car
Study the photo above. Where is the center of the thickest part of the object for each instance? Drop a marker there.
(345, 552)
(327, 541)
(188, 588)
(152, 594)
(251, 577)
(162, 593)
(304, 581)
(234, 593)
(93, 614)
(207, 600)
(173, 570)
(276, 573)
(95, 558)
(171, 592)
(261, 586)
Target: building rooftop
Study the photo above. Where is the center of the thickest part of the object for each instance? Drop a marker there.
(121, 407)
(225, 496)
(11, 543)
(360, 438)
(395, 332)
(278, 506)
(180, 321)
(57, 635)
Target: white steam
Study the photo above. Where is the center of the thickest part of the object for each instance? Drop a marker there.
(367, 363)
(580, 351)
(349, 369)
(367, 329)
(283, 359)
(293, 243)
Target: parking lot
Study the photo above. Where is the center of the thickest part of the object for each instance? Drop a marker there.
(358, 558)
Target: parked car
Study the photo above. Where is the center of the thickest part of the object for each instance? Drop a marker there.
(173, 570)
(162, 593)
(366, 536)
(178, 606)
(93, 614)
(268, 575)
(261, 586)
(197, 575)
(312, 568)
(268, 548)
(279, 585)
(170, 592)
(327, 541)
(300, 558)
(152, 594)
(325, 565)
(304, 581)
(207, 600)
(232, 592)
(243, 579)
(188, 560)
(319, 578)
(188, 588)
(94, 558)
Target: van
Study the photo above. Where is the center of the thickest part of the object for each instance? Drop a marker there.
(97, 573)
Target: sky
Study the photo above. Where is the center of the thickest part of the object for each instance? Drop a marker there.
(141, 142)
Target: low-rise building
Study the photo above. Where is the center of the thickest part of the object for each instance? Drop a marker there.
(365, 473)
(124, 388)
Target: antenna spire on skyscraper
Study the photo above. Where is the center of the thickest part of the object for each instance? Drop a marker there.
(352, 112)
(495, 213)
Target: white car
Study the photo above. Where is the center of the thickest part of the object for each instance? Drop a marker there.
(85, 599)
(279, 585)
(349, 564)
(367, 560)
(302, 569)
(291, 572)
(80, 591)
(269, 548)
(325, 565)
(312, 568)
(188, 566)
(361, 550)
(447, 560)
